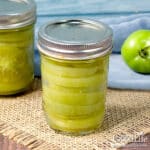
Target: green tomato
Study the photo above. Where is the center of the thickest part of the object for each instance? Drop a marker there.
(136, 51)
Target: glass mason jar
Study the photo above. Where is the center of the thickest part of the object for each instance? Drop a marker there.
(74, 66)
(17, 20)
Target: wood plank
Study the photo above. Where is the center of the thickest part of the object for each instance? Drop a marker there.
(95, 7)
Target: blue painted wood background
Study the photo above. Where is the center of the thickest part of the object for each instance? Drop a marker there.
(91, 7)
(123, 16)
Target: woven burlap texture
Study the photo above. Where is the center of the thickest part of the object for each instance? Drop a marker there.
(127, 116)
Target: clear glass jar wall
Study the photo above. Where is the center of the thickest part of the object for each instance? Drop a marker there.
(16, 59)
(17, 19)
(74, 93)
(74, 66)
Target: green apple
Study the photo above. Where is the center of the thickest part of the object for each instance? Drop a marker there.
(136, 51)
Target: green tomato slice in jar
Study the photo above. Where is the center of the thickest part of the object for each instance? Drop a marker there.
(16, 60)
(23, 34)
(76, 69)
(74, 66)
(75, 125)
(73, 111)
(73, 96)
(88, 81)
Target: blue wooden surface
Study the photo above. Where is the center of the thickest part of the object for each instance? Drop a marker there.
(123, 17)
(91, 7)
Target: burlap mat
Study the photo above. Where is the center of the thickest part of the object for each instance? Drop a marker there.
(127, 116)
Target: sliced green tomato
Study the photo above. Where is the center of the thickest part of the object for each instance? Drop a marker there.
(13, 52)
(72, 70)
(15, 75)
(88, 81)
(16, 35)
(15, 66)
(76, 125)
(16, 70)
(72, 111)
(76, 63)
(16, 59)
(11, 46)
(12, 76)
(73, 96)
(12, 88)
(9, 76)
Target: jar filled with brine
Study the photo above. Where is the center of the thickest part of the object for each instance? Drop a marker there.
(17, 19)
(74, 66)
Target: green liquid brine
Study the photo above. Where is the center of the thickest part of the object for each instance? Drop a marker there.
(16, 59)
(74, 67)
(74, 93)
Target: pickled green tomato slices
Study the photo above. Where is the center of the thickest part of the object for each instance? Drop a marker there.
(16, 59)
(74, 93)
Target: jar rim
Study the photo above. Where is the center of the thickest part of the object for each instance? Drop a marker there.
(17, 13)
(89, 39)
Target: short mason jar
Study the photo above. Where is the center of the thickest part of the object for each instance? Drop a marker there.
(17, 19)
(74, 66)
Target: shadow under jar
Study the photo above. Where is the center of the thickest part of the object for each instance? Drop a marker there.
(74, 65)
(17, 19)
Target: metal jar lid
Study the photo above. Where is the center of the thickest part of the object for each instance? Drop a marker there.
(75, 39)
(17, 13)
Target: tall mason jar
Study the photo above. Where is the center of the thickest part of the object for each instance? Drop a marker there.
(17, 19)
(74, 66)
